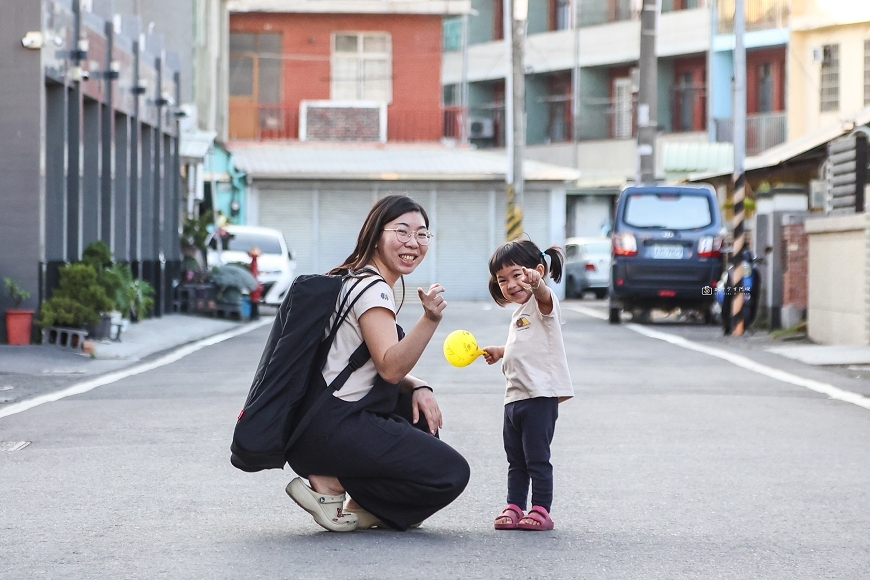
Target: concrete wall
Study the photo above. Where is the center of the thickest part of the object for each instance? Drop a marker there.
(837, 302)
(804, 75)
(177, 30)
(21, 133)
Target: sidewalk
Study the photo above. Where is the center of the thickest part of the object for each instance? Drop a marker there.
(27, 371)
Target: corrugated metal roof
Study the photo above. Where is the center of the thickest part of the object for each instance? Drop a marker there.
(697, 157)
(275, 160)
(352, 6)
(791, 149)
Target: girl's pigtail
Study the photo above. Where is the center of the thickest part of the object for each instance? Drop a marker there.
(556, 260)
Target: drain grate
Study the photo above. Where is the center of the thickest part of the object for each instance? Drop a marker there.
(13, 445)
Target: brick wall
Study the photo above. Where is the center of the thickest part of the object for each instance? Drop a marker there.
(415, 111)
(795, 249)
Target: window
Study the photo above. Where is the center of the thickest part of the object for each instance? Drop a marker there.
(829, 85)
(451, 40)
(622, 108)
(255, 67)
(668, 211)
(765, 88)
(362, 67)
(560, 14)
(867, 72)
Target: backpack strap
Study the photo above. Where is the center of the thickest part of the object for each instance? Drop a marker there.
(359, 357)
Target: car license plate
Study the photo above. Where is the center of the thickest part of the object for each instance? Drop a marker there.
(667, 252)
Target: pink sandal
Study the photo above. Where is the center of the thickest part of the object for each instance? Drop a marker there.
(540, 520)
(514, 513)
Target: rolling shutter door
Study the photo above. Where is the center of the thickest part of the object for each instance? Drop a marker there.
(463, 244)
(341, 216)
(292, 212)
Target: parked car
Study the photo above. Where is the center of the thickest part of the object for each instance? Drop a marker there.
(276, 263)
(667, 244)
(587, 267)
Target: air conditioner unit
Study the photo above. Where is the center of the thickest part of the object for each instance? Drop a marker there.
(480, 128)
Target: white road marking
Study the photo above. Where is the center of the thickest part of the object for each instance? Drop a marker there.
(738, 360)
(108, 378)
(586, 310)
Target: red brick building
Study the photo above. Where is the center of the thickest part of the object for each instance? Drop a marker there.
(366, 70)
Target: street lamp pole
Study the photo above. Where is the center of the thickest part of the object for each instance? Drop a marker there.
(515, 15)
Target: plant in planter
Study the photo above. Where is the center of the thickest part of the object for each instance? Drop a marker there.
(141, 299)
(18, 322)
(79, 300)
(111, 277)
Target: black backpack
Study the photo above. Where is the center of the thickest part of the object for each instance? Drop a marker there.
(284, 394)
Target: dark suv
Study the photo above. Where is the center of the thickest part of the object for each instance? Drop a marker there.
(667, 242)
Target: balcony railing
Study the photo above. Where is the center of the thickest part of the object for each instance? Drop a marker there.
(763, 131)
(594, 12)
(279, 122)
(760, 15)
(608, 118)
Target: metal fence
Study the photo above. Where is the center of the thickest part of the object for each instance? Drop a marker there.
(760, 14)
(763, 131)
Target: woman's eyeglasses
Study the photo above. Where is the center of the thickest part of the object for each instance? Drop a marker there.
(404, 235)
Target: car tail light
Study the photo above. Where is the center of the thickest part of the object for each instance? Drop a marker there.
(709, 247)
(590, 267)
(624, 244)
(667, 293)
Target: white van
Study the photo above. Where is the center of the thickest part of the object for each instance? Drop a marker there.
(276, 263)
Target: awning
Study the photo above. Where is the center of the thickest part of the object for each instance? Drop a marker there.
(194, 145)
(793, 149)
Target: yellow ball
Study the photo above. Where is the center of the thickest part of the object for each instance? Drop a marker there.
(460, 348)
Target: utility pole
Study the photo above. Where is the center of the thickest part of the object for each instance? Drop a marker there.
(515, 15)
(739, 177)
(647, 106)
(464, 110)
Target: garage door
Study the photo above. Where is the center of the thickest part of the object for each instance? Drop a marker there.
(463, 244)
(291, 212)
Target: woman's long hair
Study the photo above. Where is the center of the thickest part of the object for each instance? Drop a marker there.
(523, 253)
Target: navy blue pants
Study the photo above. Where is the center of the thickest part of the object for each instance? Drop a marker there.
(528, 431)
(395, 470)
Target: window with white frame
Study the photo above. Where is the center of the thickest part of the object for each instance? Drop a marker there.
(829, 85)
(867, 72)
(362, 66)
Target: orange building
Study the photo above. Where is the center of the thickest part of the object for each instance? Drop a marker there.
(337, 70)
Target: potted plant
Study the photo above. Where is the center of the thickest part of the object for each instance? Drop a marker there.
(19, 322)
(78, 301)
(111, 278)
(141, 299)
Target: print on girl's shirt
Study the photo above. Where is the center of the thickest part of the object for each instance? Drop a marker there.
(523, 323)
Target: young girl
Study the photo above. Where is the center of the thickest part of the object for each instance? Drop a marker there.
(536, 372)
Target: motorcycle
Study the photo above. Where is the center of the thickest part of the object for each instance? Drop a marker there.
(749, 286)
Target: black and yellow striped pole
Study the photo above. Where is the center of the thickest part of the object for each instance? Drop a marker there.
(514, 223)
(737, 317)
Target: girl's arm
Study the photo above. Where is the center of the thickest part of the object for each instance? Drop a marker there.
(535, 280)
(492, 354)
(394, 358)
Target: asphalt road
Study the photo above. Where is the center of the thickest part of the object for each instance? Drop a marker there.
(669, 463)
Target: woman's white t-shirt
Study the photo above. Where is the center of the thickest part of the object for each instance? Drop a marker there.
(349, 335)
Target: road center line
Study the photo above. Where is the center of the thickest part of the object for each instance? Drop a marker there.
(738, 360)
(113, 377)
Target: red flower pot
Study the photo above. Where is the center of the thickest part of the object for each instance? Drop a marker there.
(18, 326)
